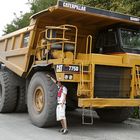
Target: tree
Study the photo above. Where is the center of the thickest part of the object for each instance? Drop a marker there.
(17, 23)
(38, 5)
(136, 8)
(124, 6)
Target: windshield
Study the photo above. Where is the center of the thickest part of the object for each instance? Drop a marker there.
(130, 39)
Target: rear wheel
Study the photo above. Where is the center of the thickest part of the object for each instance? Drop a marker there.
(41, 100)
(21, 100)
(8, 93)
(114, 114)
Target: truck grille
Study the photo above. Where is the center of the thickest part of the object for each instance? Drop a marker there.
(112, 82)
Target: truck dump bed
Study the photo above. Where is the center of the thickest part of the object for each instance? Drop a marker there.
(17, 48)
(14, 50)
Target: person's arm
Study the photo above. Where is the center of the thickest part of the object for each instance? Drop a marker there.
(64, 99)
(64, 95)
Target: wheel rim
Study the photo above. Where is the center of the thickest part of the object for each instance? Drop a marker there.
(39, 99)
(0, 92)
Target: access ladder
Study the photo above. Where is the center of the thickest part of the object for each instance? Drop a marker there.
(86, 89)
(137, 80)
(86, 81)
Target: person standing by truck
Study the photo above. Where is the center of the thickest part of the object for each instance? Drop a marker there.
(61, 106)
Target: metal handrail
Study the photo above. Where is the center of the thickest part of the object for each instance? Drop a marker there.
(137, 80)
(89, 39)
(64, 40)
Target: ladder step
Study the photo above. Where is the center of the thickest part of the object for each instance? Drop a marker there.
(87, 71)
(86, 81)
(137, 80)
(85, 114)
(85, 90)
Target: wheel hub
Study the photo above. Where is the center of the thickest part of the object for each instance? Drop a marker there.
(39, 99)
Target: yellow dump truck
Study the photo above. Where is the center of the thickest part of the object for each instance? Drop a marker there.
(94, 52)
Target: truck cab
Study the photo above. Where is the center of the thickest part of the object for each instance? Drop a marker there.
(118, 39)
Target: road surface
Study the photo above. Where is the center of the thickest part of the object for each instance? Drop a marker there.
(19, 127)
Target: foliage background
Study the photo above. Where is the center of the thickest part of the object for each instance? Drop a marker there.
(124, 6)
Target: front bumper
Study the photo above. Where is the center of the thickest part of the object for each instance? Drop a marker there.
(102, 102)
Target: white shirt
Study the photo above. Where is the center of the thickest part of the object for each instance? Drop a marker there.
(64, 92)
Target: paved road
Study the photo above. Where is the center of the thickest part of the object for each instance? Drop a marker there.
(18, 127)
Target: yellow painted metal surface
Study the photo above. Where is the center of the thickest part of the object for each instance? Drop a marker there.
(102, 102)
(102, 59)
(16, 50)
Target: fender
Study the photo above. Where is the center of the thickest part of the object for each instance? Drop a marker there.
(40, 67)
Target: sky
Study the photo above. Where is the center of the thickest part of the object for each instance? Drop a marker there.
(7, 10)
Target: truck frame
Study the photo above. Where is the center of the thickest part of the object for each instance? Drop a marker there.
(95, 53)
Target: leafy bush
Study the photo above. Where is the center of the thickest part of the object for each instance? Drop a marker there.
(136, 114)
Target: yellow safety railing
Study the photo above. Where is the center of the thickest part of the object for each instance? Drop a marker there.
(88, 89)
(89, 44)
(137, 80)
(54, 35)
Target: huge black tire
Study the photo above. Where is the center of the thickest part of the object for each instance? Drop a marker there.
(42, 100)
(8, 93)
(117, 115)
(21, 100)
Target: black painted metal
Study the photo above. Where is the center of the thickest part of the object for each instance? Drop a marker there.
(98, 11)
(112, 82)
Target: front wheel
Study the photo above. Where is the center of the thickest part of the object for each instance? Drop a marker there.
(41, 100)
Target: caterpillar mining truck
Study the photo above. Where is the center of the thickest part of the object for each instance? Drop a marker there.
(95, 53)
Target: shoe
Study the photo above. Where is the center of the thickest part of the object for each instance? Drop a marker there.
(65, 131)
(61, 130)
